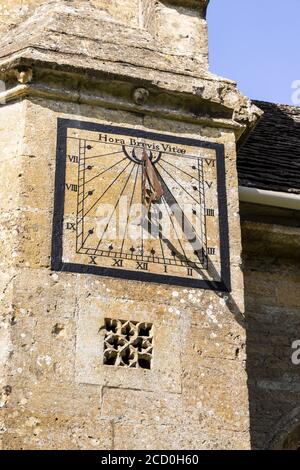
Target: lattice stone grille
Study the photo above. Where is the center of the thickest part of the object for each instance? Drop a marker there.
(128, 343)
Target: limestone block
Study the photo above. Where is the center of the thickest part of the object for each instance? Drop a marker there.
(11, 169)
(165, 368)
(12, 116)
(12, 12)
(60, 398)
(181, 30)
(137, 407)
(57, 431)
(155, 437)
(48, 292)
(25, 238)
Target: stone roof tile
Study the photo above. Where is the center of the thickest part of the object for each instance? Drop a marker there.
(270, 158)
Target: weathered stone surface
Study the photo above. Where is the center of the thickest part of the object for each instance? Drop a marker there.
(57, 391)
(37, 431)
(76, 36)
(272, 279)
(61, 26)
(174, 437)
(197, 337)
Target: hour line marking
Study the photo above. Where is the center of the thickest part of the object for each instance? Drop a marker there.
(115, 208)
(107, 189)
(104, 155)
(131, 201)
(178, 184)
(179, 169)
(104, 171)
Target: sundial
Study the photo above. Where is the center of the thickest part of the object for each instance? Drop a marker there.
(140, 205)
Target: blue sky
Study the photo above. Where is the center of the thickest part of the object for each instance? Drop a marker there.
(257, 44)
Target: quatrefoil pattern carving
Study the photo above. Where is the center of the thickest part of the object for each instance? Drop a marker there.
(128, 343)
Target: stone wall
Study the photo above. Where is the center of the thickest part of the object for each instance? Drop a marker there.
(57, 392)
(178, 27)
(13, 12)
(272, 294)
(55, 395)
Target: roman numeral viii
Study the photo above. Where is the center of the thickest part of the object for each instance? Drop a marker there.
(72, 187)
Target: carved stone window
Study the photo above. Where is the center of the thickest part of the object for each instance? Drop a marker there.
(128, 343)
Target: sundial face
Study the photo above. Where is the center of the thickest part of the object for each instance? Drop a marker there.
(140, 205)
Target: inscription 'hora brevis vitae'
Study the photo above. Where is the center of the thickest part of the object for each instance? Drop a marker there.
(136, 143)
(140, 205)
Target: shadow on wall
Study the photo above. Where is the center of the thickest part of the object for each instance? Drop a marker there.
(271, 260)
(272, 297)
(270, 159)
